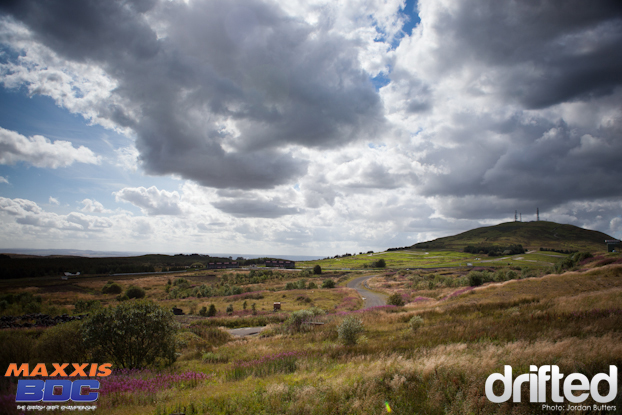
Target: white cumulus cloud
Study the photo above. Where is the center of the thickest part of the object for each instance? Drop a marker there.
(41, 152)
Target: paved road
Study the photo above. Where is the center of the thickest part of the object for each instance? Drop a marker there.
(245, 331)
(371, 299)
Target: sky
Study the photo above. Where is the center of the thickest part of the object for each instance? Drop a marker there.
(304, 127)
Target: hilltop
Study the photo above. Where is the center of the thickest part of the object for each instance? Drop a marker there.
(532, 235)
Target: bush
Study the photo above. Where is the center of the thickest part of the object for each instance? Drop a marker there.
(312, 286)
(475, 279)
(381, 263)
(296, 321)
(112, 288)
(83, 306)
(122, 297)
(290, 286)
(349, 330)
(62, 343)
(395, 299)
(135, 292)
(415, 323)
(230, 309)
(511, 275)
(203, 311)
(301, 285)
(317, 270)
(132, 335)
(328, 284)
(212, 310)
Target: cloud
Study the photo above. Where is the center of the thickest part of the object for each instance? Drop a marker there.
(53, 201)
(127, 158)
(41, 152)
(218, 92)
(255, 208)
(268, 111)
(93, 206)
(4, 180)
(151, 201)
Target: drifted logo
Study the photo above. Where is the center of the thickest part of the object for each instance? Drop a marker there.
(58, 390)
(539, 378)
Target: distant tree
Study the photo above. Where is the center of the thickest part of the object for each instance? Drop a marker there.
(317, 270)
(212, 310)
(229, 309)
(254, 308)
(381, 263)
(244, 304)
(203, 311)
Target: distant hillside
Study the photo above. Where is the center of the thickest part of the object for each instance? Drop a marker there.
(532, 235)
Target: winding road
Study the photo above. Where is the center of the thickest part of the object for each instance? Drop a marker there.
(371, 299)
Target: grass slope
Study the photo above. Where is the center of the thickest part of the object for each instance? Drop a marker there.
(531, 235)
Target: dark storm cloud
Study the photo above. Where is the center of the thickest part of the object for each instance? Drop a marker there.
(216, 91)
(495, 74)
(532, 169)
(547, 51)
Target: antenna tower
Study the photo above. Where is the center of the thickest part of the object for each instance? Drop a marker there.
(538, 214)
(516, 216)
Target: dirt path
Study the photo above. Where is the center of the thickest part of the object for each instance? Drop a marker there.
(371, 299)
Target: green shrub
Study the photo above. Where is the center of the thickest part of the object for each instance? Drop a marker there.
(112, 288)
(135, 292)
(132, 335)
(122, 297)
(415, 323)
(475, 279)
(349, 330)
(203, 311)
(395, 299)
(296, 321)
(62, 343)
(212, 310)
(83, 306)
(290, 286)
(32, 308)
(229, 309)
(312, 286)
(381, 263)
(500, 276)
(328, 284)
(511, 275)
(301, 285)
(317, 270)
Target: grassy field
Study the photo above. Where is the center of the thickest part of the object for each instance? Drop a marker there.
(571, 319)
(421, 258)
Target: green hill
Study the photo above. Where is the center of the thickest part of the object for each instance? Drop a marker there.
(532, 235)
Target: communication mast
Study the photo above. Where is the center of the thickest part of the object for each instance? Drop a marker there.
(538, 214)
(516, 216)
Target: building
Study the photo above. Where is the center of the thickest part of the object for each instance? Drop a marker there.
(223, 265)
(281, 264)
